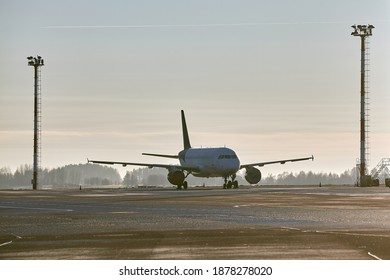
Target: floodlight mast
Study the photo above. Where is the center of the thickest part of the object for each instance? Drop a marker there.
(36, 62)
(362, 31)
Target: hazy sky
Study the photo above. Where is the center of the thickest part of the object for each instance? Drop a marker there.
(270, 79)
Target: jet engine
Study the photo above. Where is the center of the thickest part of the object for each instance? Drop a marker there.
(176, 177)
(252, 175)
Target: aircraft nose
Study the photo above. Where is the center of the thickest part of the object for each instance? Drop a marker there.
(234, 165)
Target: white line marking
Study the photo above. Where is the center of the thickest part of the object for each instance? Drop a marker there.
(122, 212)
(6, 243)
(354, 234)
(375, 257)
(242, 205)
(291, 228)
(337, 232)
(33, 208)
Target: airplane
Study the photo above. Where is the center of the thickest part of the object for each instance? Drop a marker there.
(205, 162)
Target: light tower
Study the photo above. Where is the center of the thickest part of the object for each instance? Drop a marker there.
(37, 62)
(363, 31)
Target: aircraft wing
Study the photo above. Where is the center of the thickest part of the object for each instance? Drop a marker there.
(277, 161)
(150, 165)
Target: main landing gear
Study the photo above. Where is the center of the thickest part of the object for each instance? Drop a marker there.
(231, 183)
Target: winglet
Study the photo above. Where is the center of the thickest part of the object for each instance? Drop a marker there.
(186, 139)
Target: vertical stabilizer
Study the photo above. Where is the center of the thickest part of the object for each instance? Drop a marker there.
(186, 139)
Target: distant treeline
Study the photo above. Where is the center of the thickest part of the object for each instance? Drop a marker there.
(67, 176)
(348, 177)
(98, 175)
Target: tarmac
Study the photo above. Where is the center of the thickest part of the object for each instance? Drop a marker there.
(260, 222)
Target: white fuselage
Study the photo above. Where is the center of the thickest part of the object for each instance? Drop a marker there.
(211, 162)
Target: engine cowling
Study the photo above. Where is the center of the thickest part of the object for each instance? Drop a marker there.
(176, 177)
(252, 175)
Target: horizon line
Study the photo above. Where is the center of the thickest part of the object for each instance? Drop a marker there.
(198, 25)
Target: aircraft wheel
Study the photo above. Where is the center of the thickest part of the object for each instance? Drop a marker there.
(229, 185)
(178, 187)
(235, 185)
(185, 185)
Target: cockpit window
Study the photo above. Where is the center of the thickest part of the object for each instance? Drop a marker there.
(227, 156)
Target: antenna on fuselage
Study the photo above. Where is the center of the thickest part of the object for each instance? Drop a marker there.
(186, 139)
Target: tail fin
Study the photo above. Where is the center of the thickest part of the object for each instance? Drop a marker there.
(186, 139)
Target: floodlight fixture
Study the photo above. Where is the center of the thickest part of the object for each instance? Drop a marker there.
(362, 30)
(35, 61)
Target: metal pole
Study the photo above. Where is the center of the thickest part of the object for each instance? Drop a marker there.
(363, 31)
(35, 159)
(362, 110)
(36, 62)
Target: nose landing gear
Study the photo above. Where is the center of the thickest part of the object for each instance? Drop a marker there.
(231, 183)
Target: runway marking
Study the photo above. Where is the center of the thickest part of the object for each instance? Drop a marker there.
(242, 205)
(375, 257)
(6, 243)
(115, 235)
(291, 228)
(336, 232)
(250, 205)
(10, 242)
(344, 233)
(123, 212)
(354, 234)
(109, 194)
(37, 208)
